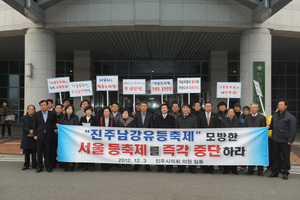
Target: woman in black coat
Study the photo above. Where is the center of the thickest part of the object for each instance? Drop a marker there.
(69, 118)
(28, 144)
(89, 120)
(125, 121)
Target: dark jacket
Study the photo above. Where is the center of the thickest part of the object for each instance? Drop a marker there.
(41, 129)
(117, 117)
(214, 121)
(175, 115)
(129, 123)
(93, 121)
(284, 127)
(73, 120)
(27, 125)
(111, 122)
(260, 121)
(148, 120)
(227, 123)
(189, 121)
(3, 113)
(242, 119)
(222, 115)
(168, 122)
(198, 115)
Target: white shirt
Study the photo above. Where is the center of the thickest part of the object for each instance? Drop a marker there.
(208, 115)
(254, 115)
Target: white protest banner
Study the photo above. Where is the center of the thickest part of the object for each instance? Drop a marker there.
(257, 88)
(229, 90)
(226, 146)
(189, 85)
(56, 85)
(81, 88)
(134, 86)
(164, 86)
(107, 83)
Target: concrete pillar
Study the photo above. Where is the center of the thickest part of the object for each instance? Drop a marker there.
(255, 46)
(40, 52)
(82, 72)
(218, 73)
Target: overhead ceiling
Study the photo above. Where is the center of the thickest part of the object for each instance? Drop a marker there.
(150, 46)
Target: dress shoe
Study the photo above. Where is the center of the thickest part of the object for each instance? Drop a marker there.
(180, 171)
(147, 168)
(260, 174)
(193, 171)
(235, 172)
(273, 175)
(38, 170)
(49, 170)
(285, 177)
(169, 170)
(24, 168)
(249, 173)
(211, 172)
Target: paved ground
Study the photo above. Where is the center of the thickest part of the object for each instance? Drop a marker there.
(17, 184)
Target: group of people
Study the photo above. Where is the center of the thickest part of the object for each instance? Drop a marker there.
(40, 130)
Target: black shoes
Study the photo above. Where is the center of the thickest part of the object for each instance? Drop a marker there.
(147, 168)
(49, 170)
(273, 175)
(38, 170)
(285, 177)
(193, 171)
(249, 173)
(24, 168)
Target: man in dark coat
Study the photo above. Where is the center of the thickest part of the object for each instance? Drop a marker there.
(284, 126)
(164, 121)
(43, 127)
(58, 115)
(28, 144)
(255, 120)
(197, 112)
(230, 122)
(143, 119)
(222, 113)
(209, 120)
(186, 120)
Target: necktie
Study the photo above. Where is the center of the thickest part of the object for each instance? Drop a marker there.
(164, 116)
(208, 119)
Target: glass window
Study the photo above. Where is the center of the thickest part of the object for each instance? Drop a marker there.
(162, 68)
(60, 67)
(233, 79)
(22, 82)
(292, 105)
(3, 92)
(137, 68)
(69, 67)
(3, 80)
(291, 93)
(13, 93)
(278, 82)
(13, 104)
(278, 93)
(14, 67)
(291, 82)
(22, 67)
(97, 68)
(181, 68)
(204, 68)
(14, 81)
(291, 68)
(194, 68)
(21, 92)
(3, 67)
(109, 68)
(233, 68)
(22, 105)
(278, 68)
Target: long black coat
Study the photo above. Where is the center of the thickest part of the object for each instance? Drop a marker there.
(27, 125)
(168, 122)
(198, 115)
(189, 121)
(214, 121)
(227, 123)
(148, 123)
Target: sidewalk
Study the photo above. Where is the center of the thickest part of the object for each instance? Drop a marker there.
(11, 146)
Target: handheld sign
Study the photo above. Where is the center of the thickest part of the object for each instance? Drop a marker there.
(163, 86)
(58, 85)
(81, 88)
(134, 86)
(107, 83)
(259, 94)
(189, 85)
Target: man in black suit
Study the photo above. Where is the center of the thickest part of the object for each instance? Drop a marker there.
(255, 120)
(43, 127)
(186, 120)
(209, 119)
(143, 119)
(164, 121)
